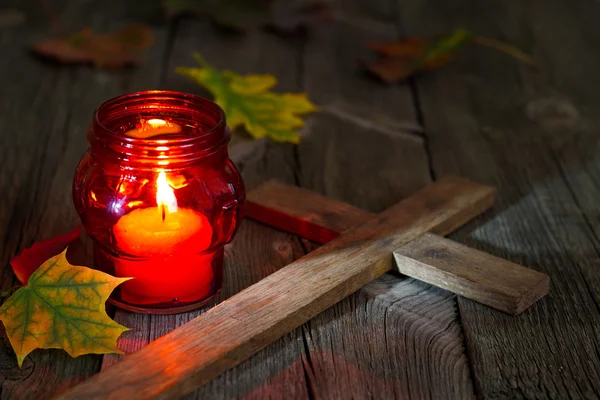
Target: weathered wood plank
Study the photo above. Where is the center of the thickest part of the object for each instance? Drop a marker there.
(429, 258)
(363, 148)
(472, 274)
(264, 53)
(257, 251)
(330, 350)
(302, 212)
(44, 115)
(415, 316)
(202, 349)
(533, 136)
(332, 76)
(366, 150)
(276, 370)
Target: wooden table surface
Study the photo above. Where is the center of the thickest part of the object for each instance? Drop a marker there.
(532, 134)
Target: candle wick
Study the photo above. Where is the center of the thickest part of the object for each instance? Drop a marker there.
(163, 212)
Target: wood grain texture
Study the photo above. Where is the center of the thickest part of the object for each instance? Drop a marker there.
(44, 113)
(302, 212)
(321, 212)
(367, 149)
(393, 164)
(415, 316)
(332, 77)
(534, 136)
(429, 258)
(472, 274)
(257, 251)
(205, 347)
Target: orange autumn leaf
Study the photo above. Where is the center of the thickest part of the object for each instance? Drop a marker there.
(110, 50)
(413, 55)
(62, 307)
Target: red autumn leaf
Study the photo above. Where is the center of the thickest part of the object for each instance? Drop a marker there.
(109, 50)
(31, 258)
(407, 47)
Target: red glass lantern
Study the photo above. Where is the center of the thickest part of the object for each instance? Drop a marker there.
(159, 196)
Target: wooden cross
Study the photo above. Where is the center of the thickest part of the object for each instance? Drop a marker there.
(193, 354)
(429, 258)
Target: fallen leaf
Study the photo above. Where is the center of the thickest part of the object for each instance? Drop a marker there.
(505, 48)
(109, 50)
(62, 307)
(247, 102)
(31, 258)
(405, 58)
(443, 49)
(413, 55)
(242, 15)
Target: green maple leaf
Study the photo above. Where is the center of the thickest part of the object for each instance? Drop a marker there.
(62, 307)
(247, 102)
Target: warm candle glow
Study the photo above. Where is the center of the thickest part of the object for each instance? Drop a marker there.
(155, 122)
(148, 128)
(160, 198)
(165, 196)
(172, 237)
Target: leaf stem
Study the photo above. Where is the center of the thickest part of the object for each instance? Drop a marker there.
(199, 59)
(505, 48)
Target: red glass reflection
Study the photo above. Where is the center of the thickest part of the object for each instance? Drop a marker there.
(159, 196)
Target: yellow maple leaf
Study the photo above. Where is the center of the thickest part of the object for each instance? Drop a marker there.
(62, 307)
(247, 102)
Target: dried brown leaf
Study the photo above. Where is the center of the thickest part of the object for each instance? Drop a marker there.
(109, 50)
(412, 55)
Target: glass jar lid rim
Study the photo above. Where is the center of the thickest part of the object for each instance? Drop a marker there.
(160, 95)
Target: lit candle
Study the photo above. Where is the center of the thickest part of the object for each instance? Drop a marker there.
(168, 242)
(160, 198)
(148, 128)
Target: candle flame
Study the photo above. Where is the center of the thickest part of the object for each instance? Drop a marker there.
(147, 128)
(165, 196)
(155, 122)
